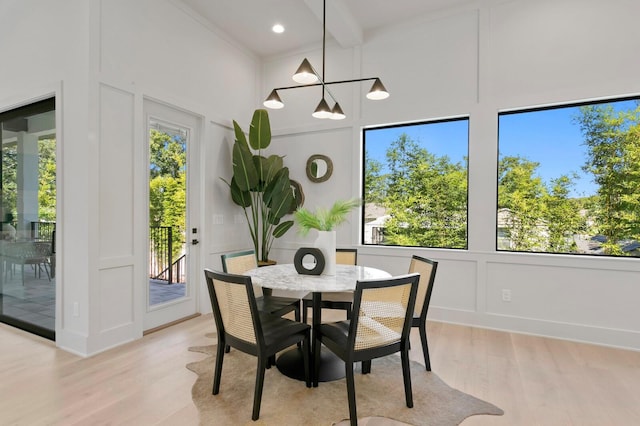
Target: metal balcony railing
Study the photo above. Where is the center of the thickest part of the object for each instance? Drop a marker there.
(162, 265)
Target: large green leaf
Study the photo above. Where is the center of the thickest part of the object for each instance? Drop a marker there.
(282, 228)
(261, 167)
(279, 196)
(240, 136)
(271, 166)
(260, 130)
(241, 198)
(244, 169)
(278, 184)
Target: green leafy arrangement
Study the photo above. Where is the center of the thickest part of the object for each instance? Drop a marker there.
(323, 219)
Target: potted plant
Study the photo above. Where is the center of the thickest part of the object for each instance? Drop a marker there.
(260, 185)
(325, 221)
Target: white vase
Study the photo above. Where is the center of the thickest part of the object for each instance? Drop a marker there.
(326, 242)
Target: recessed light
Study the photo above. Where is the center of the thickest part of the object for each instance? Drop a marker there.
(277, 28)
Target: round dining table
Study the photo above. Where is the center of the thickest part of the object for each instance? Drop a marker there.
(285, 277)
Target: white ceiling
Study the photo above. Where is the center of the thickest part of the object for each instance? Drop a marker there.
(249, 22)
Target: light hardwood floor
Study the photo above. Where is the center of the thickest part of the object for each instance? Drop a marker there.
(536, 381)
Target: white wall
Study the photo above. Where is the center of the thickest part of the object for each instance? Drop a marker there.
(102, 59)
(158, 50)
(476, 61)
(40, 62)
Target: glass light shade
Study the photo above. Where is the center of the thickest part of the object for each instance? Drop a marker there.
(305, 73)
(337, 113)
(322, 110)
(273, 101)
(378, 91)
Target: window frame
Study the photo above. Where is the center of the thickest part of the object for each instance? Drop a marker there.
(457, 118)
(549, 107)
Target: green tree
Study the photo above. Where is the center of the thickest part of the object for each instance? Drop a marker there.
(47, 180)
(613, 158)
(9, 179)
(167, 186)
(426, 198)
(521, 191)
(539, 217)
(374, 181)
(562, 216)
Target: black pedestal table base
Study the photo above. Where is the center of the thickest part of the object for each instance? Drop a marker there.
(291, 364)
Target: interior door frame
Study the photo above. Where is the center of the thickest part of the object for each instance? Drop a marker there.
(160, 315)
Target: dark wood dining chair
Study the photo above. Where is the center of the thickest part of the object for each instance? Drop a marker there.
(342, 300)
(427, 269)
(241, 325)
(379, 326)
(241, 262)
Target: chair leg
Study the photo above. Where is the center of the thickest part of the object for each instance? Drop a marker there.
(296, 313)
(316, 345)
(257, 396)
(425, 346)
(305, 316)
(218, 371)
(46, 269)
(351, 393)
(406, 375)
(305, 357)
(227, 348)
(366, 366)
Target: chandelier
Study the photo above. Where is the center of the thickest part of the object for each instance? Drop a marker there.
(307, 76)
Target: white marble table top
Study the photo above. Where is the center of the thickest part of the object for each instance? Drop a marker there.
(285, 277)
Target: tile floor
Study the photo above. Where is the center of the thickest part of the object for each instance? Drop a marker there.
(35, 301)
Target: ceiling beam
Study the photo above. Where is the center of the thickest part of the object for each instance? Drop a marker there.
(340, 22)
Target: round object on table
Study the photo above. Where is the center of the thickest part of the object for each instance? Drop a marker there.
(316, 254)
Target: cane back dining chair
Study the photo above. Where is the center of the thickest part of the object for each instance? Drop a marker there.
(379, 326)
(427, 269)
(240, 325)
(342, 300)
(241, 262)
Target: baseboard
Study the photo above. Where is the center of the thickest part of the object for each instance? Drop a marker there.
(602, 336)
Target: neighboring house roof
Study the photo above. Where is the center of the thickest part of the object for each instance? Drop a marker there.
(373, 211)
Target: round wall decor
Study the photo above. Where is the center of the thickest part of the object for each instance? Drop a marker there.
(319, 168)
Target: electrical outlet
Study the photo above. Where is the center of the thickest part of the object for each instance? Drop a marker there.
(506, 295)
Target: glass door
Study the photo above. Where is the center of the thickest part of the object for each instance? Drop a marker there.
(28, 218)
(172, 137)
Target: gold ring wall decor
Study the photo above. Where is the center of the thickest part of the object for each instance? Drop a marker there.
(319, 168)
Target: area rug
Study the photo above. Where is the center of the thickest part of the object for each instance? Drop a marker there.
(285, 401)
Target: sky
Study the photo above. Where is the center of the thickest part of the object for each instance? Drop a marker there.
(448, 138)
(550, 137)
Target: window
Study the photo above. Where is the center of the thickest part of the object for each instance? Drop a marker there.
(415, 184)
(28, 217)
(569, 179)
